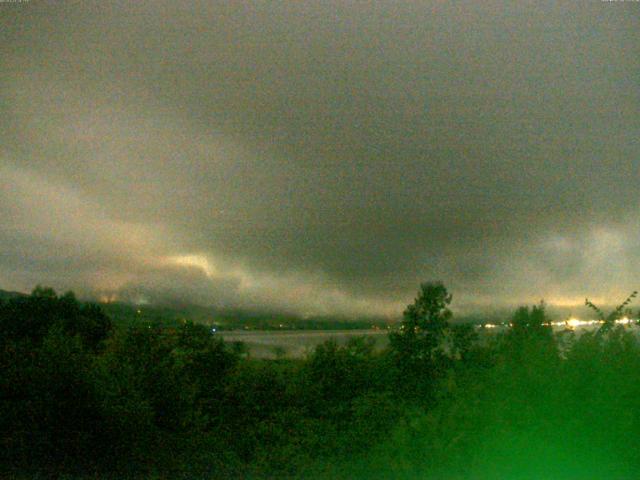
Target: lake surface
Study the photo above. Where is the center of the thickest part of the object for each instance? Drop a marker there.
(297, 343)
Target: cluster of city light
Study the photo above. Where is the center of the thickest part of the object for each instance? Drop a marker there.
(571, 323)
(575, 323)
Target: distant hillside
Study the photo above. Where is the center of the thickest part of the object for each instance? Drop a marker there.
(7, 295)
(232, 319)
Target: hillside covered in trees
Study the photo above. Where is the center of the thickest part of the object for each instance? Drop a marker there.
(83, 398)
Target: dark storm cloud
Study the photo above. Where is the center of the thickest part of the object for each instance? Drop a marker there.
(322, 156)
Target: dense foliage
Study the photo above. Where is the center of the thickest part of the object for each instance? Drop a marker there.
(81, 398)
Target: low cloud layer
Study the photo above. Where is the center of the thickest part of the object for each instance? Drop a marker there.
(321, 157)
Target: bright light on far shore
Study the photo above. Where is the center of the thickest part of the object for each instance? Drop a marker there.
(574, 322)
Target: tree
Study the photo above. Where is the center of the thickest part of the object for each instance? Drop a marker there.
(416, 345)
(608, 321)
(424, 322)
(31, 317)
(463, 339)
(527, 322)
(530, 342)
(337, 374)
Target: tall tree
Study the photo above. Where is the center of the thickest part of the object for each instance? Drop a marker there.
(417, 344)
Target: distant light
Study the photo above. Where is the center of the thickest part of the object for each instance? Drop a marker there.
(141, 300)
(489, 325)
(108, 298)
(574, 322)
(624, 321)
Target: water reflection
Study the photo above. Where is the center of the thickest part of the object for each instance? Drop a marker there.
(297, 343)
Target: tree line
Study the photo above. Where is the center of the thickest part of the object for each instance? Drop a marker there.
(83, 398)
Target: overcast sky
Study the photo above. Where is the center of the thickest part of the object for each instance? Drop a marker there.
(321, 156)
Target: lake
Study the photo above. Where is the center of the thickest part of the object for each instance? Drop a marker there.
(296, 343)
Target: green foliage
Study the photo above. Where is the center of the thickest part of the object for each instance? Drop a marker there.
(530, 344)
(608, 321)
(426, 320)
(464, 337)
(31, 318)
(336, 374)
(47, 409)
(417, 345)
(148, 401)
